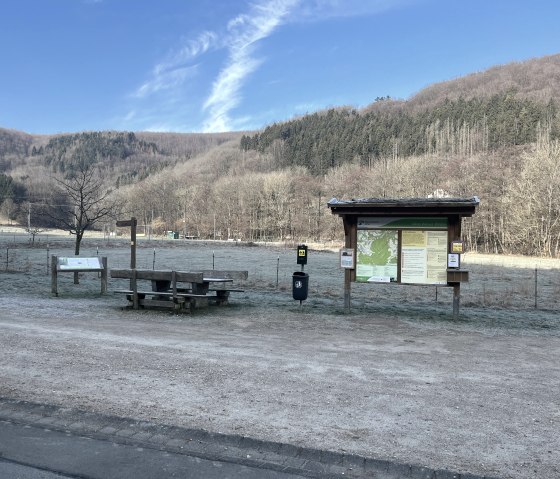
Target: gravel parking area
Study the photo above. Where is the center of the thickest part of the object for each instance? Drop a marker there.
(396, 379)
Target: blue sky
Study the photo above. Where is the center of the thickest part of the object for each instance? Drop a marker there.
(222, 65)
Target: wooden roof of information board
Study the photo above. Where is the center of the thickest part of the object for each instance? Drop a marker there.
(404, 206)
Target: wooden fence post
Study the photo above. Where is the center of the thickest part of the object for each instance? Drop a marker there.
(54, 273)
(104, 275)
(134, 287)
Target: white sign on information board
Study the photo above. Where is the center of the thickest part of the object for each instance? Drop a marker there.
(79, 263)
(347, 258)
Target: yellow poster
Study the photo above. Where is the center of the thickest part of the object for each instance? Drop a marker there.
(424, 257)
(414, 238)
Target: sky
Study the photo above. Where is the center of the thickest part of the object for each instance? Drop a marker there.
(231, 65)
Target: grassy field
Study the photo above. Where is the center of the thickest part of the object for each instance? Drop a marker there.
(504, 285)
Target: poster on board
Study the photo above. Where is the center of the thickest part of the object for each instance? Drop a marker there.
(424, 257)
(377, 256)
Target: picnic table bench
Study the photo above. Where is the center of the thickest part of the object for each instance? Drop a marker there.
(165, 292)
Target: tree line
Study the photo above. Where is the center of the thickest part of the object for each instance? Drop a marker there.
(274, 185)
(325, 140)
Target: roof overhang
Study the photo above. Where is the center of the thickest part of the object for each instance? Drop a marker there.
(404, 206)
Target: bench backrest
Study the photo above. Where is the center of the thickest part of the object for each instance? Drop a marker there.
(157, 275)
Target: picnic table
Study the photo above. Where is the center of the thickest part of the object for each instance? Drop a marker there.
(178, 290)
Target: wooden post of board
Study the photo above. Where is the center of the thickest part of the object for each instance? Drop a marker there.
(454, 233)
(456, 300)
(132, 223)
(349, 274)
(134, 287)
(54, 275)
(104, 275)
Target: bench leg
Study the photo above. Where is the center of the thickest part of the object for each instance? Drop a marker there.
(222, 298)
(199, 303)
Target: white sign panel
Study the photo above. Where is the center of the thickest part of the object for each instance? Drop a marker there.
(79, 263)
(347, 258)
(453, 260)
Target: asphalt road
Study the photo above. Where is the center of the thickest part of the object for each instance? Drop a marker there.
(28, 452)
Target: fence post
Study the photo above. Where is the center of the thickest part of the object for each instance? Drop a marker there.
(536, 273)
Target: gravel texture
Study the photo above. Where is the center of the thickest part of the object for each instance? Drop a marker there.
(396, 379)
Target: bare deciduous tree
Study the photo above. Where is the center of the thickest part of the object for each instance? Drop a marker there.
(87, 202)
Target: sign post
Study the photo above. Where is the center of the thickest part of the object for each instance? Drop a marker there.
(132, 223)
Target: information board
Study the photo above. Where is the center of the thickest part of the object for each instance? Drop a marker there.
(420, 242)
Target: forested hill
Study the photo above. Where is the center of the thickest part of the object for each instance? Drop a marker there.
(324, 140)
(501, 107)
(125, 157)
(537, 79)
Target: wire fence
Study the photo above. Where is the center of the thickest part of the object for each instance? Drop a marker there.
(504, 282)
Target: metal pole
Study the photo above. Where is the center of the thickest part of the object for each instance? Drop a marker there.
(536, 273)
(154, 260)
(277, 270)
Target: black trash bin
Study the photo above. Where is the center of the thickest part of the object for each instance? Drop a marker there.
(300, 285)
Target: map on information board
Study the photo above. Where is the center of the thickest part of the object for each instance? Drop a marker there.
(377, 256)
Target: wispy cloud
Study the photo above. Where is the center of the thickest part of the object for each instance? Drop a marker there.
(175, 69)
(319, 10)
(244, 32)
(168, 81)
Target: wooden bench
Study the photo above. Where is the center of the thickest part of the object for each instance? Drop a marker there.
(166, 294)
(163, 299)
(223, 290)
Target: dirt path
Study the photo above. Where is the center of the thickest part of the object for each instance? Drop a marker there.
(385, 386)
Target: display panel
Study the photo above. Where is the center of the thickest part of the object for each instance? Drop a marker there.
(377, 256)
(79, 263)
(422, 249)
(424, 257)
